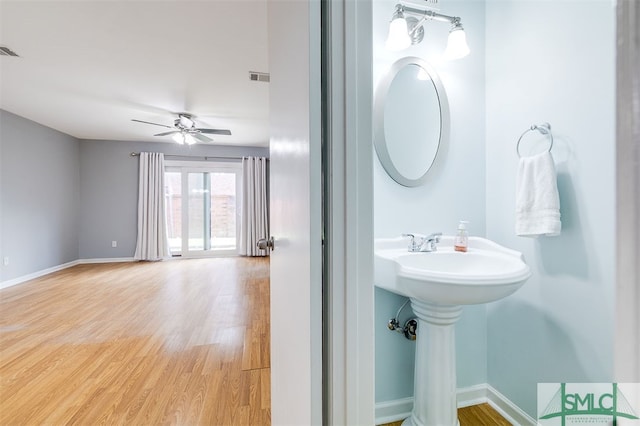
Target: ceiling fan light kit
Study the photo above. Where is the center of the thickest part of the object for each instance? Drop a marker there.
(185, 121)
(184, 138)
(184, 131)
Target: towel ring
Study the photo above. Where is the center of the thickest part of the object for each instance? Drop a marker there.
(544, 128)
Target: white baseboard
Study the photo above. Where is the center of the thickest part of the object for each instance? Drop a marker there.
(38, 274)
(472, 395)
(508, 409)
(393, 411)
(107, 260)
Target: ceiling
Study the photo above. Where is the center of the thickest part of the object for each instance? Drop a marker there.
(86, 68)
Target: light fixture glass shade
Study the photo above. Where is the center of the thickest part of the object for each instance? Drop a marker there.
(178, 138)
(456, 45)
(398, 38)
(189, 140)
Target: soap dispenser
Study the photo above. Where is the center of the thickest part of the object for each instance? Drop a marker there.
(461, 241)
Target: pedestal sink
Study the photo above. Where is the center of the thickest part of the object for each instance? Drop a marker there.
(438, 283)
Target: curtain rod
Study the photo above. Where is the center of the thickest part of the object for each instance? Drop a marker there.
(208, 157)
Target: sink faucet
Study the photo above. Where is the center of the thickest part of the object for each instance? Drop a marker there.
(425, 244)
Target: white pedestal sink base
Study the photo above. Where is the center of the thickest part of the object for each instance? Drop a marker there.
(434, 398)
(409, 422)
(438, 283)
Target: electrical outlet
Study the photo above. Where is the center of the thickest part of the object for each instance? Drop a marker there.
(114, 244)
(5, 261)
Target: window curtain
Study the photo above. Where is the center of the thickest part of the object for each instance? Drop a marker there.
(255, 215)
(152, 242)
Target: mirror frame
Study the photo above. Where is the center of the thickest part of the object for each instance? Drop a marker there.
(379, 138)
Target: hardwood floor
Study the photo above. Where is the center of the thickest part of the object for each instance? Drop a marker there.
(481, 415)
(476, 415)
(180, 342)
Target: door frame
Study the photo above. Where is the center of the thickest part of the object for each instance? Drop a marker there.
(342, 392)
(627, 330)
(348, 361)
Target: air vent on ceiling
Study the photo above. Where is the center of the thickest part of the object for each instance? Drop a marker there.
(5, 51)
(259, 76)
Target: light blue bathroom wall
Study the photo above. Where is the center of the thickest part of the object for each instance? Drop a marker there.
(555, 62)
(39, 197)
(454, 190)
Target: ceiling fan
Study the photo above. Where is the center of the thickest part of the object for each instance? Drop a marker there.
(184, 130)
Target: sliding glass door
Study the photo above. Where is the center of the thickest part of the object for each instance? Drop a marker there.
(202, 203)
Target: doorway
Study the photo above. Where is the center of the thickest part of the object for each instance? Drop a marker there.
(202, 207)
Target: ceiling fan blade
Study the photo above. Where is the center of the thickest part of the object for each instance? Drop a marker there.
(155, 124)
(173, 132)
(215, 131)
(201, 138)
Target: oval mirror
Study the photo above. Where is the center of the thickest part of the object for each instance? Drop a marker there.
(411, 120)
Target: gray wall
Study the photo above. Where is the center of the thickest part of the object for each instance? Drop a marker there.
(561, 69)
(455, 190)
(39, 196)
(64, 199)
(109, 191)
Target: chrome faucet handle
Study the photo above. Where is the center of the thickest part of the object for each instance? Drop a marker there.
(412, 241)
(428, 243)
(434, 237)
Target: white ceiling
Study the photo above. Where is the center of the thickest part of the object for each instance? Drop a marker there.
(86, 68)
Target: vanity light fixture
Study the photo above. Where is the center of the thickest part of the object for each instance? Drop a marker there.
(457, 42)
(403, 32)
(398, 38)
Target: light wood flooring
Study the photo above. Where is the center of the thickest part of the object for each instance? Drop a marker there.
(476, 415)
(180, 342)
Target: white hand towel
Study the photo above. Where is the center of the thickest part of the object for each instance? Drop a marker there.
(537, 199)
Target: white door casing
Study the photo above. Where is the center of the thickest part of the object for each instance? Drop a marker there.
(627, 347)
(349, 363)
